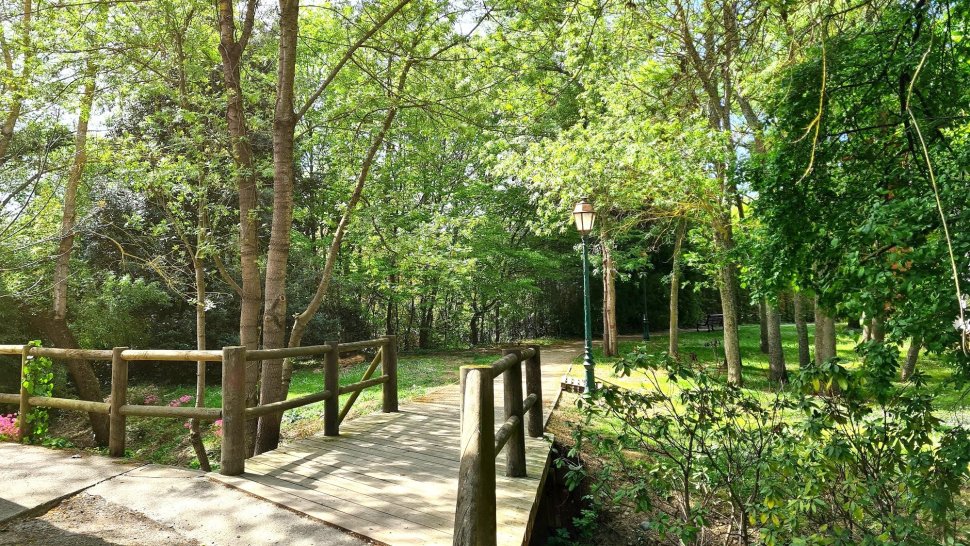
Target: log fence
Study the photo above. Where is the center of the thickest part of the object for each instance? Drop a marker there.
(233, 411)
(475, 513)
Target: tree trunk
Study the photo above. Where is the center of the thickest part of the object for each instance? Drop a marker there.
(728, 288)
(69, 216)
(200, 295)
(274, 314)
(56, 328)
(427, 320)
(473, 329)
(497, 325)
(878, 329)
(763, 322)
(609, 301)
(301, 320)
(912, 356)
(776, 355)
(231, 51)
(801, 329)
(58, 334)
(16, 85)
(824, 335)
(674, 336)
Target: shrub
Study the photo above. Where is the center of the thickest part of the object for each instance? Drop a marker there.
(838, 457)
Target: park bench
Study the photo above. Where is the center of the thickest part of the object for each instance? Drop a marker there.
(711, 321)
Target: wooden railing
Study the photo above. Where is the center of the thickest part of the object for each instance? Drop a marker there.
(233, 412)
(475, 521)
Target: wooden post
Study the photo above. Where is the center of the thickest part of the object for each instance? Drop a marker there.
(515, 449)
(533, 385)
(389, 368)
(24, 395)
(233, 460)
(119, 397)
(331, 382)
(475, 511)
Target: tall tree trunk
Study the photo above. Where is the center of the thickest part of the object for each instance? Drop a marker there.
(427, 320)
(251, 303)
(912, 356)
(497, 330)
(16, 85)
(609, 301)
(58, 330)
(801, 330)
(274, 314)
(69, 216)
(776, 355)
(878, 329)
(824, 334)
(763, 323)
(728, 287)
(200, 296)
(473, 329)
(303, 319)
(673, 346)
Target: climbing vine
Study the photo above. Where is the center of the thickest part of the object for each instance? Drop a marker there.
(38, 381)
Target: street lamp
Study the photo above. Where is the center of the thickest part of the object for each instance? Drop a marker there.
(584, 216)
(646, 321)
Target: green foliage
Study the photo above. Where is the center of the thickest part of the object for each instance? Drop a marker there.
(115, 311)
(38, 381)
(840, 457)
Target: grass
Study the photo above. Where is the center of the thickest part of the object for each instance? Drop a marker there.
(949, 400)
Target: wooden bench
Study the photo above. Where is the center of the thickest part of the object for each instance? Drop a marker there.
(711, 321)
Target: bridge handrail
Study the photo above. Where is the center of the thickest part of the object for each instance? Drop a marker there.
(475, 519)
(233, 412)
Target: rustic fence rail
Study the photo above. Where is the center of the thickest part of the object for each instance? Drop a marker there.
(233, 411)
(475, 520)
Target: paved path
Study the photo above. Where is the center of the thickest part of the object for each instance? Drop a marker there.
(100, 501)
(393, 478)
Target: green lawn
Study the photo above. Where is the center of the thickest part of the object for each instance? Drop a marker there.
(949, 398)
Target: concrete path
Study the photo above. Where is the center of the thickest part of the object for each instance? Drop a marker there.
(35, 478)
(99, 501)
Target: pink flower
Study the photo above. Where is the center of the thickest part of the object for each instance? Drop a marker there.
(217, 426)
(9, 430)
(151, 400)
(184, 399)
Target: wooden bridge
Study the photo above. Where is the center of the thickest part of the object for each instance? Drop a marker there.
(427, 472)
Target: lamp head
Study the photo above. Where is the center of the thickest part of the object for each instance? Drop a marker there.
(584, 216)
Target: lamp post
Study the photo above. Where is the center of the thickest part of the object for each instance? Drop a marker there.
(584, 216)
(646, 320)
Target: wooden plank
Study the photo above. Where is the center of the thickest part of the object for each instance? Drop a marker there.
(350, 515)
(374, 498)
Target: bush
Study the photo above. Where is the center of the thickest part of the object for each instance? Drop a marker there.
(837, 457)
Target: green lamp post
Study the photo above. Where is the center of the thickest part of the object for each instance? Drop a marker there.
(584, 216)
(646, 320)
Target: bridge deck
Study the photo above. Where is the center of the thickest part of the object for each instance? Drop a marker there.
(393, 478)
